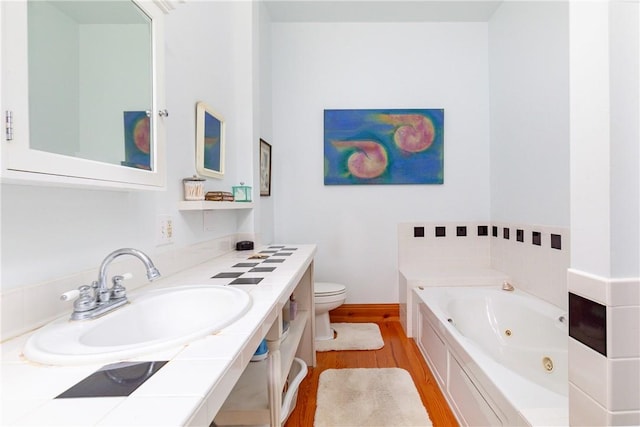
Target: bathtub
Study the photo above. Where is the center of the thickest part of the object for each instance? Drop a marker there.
(500, 358)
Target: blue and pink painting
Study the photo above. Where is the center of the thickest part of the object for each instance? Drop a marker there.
(137, 140)
(396, 146)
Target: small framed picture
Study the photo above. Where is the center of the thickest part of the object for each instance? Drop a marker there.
(265, 168)
(209, 142)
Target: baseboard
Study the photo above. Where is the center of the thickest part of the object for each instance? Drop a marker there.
(365, 313)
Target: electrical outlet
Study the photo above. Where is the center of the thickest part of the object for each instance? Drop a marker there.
(164, 229)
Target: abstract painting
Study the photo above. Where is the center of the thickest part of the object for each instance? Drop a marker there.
(396, 146)
(137, 140)
(210, 130)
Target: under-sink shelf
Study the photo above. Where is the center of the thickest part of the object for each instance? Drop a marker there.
(248, 403)
(206, 205)
(289, 345)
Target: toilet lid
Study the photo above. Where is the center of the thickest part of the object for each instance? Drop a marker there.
(327, 289)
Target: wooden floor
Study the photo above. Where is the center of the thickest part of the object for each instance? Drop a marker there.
(398, 351)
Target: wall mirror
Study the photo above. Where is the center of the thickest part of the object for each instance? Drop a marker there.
(93, 86)
(209, 142)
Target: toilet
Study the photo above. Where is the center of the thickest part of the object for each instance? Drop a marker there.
(327, 296)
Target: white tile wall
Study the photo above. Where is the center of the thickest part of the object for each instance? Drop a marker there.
(33, 305)
(438, 253)
(588, 371)
(583, 410)
(605, 390)
(538, 270)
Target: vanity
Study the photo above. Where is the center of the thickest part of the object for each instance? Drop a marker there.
(198, 377)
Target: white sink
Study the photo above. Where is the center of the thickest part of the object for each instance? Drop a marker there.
(153, 321)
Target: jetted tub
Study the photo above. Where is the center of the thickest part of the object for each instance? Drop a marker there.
(499, 357)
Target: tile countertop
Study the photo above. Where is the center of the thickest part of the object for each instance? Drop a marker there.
(189, 390)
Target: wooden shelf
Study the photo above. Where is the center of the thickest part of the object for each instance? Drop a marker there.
(205, 205)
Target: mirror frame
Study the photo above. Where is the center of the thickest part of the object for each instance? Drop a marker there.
(204, 114)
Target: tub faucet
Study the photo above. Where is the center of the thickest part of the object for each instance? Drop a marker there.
(506, 286)
(103, 299)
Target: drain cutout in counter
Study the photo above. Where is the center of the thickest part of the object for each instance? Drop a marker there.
(115, 380)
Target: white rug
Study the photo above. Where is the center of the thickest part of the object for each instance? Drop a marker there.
(369, 397)
(353, 336)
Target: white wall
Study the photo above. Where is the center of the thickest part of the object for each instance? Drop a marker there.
(529, 86)
(408, 65)
(266, 206)
(624, 77)
(51, 232)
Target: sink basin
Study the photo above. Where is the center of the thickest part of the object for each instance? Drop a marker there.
(153, 321)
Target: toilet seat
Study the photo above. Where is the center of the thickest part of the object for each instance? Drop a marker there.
(325, 289)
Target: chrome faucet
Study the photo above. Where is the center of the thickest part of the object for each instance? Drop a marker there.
(506, 286)
(104, 293)
(103, 299)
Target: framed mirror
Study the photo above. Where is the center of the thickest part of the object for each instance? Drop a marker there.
(81, 116)
(209, 142)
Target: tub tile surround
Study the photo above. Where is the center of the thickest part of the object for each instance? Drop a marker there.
(433, 254)
(539, 269)
(439, 256)
(604, 389)
(33, 305)
(179, 393)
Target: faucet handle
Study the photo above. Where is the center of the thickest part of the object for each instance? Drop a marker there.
(118, 290)
(117, 280)
(69, 295)
(83, 299)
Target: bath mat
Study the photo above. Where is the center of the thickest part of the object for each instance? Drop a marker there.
(368, 397)
(353, 336)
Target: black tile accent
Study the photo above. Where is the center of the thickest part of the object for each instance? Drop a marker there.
(276, 247)
(247, 281)
(262, 270)
(289, 249)
(556, 241)
(505, 233)
(115, 380)
(588, 323)
(272, 260)
(461, 231)
(441, 231)
(520, 235)
(418, 231)
(494, 231)
(227, 275)
(246, 264)
(536, 238)
(483, 230)
(283, 254)
(268, 252)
